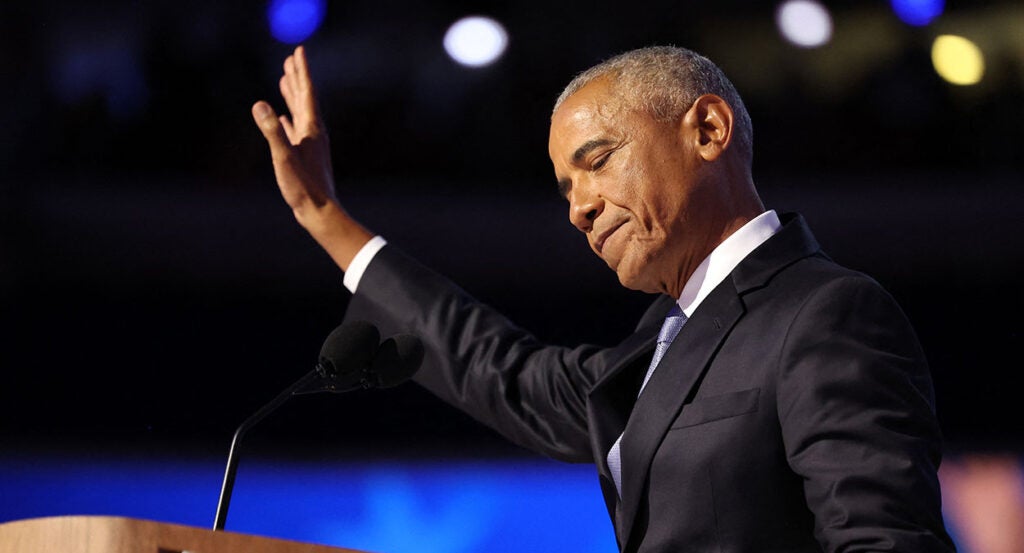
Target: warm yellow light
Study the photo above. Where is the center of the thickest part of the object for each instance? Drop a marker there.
(957, 60)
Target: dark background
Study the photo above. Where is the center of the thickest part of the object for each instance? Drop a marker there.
(154, 289)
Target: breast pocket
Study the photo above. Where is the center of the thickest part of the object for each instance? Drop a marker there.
(722, 406)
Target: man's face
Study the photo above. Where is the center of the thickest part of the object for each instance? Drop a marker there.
(634, 186)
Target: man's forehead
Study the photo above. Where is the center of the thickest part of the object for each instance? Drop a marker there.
(589, 114)
(596, 100)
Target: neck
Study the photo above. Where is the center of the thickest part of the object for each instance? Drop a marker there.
(739, 205)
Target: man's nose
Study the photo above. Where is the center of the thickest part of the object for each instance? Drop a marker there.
(584, 208)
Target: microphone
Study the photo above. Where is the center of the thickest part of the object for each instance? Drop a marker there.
(396, 360)
(351, 358)
(345, 359)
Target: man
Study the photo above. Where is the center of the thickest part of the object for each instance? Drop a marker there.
(787, 405)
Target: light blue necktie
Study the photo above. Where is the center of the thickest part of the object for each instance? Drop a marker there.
(669, 329)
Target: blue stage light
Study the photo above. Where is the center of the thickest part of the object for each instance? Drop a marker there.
(918, 12)
(293, 21)
(497, 506)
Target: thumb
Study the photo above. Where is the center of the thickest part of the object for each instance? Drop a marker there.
(271, 128)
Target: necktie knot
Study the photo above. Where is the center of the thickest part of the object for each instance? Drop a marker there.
(669, 329)
(673, 323)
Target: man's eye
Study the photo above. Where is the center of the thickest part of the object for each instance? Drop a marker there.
(599, 162)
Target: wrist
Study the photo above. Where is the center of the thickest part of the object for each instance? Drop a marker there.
(335, 230)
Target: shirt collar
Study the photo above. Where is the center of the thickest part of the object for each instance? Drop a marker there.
(725, 257)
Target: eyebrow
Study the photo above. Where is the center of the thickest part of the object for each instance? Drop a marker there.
(590, 146)
(565, 185)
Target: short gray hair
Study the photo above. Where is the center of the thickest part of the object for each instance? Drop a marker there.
(664, 81)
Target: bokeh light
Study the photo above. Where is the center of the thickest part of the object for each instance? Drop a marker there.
(293, 21)
(475, 41)
(804, 23)
(958, 60)
(917, 12)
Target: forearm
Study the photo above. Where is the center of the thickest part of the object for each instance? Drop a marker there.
(334, 230)
(300, 151)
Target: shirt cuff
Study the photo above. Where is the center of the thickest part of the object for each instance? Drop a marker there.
(361, 261)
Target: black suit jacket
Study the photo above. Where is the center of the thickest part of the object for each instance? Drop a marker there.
(793, 412)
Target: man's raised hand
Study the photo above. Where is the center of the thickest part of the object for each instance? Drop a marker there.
(300, 151)
(299, 145)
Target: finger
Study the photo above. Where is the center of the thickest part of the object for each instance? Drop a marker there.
(290, 74)
(289, 130)
(301, 65)
(303, 92)
(288, 93)
(305, 83)
(272, 129)
(289, 64)
(294, 91)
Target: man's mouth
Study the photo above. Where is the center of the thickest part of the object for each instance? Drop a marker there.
(605, 234)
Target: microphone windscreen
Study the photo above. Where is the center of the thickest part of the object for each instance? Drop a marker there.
(398, 358)
(350, 347)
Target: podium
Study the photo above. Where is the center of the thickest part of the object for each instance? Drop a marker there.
(107, 534)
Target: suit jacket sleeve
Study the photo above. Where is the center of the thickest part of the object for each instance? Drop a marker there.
(477, 360)
(855, 404)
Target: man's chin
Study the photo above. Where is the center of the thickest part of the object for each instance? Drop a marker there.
(625, 277)
(633, 280)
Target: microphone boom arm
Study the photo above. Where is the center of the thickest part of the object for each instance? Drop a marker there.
(319, 373)
(352, 358)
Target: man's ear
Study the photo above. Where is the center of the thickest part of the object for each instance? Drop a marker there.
(710, 124)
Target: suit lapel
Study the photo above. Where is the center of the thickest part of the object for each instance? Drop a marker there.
(613, 397)
(673, 383)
